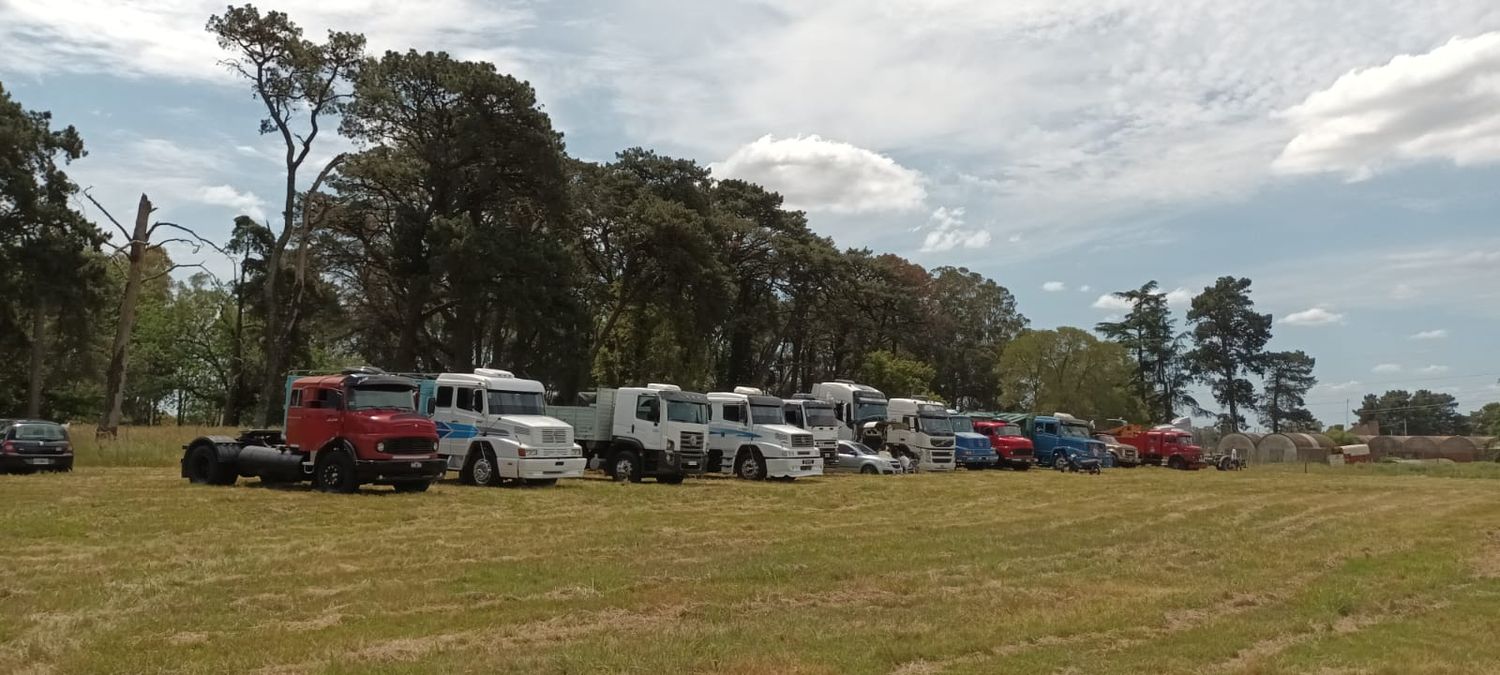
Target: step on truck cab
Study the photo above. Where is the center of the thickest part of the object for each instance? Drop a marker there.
(492, 428)
(1013, 449)
(971, 449)
(921, 429)
(857, 407)
(656, 431)
(749, 437)
(1058, 437)
(814, 416)
(357, 427)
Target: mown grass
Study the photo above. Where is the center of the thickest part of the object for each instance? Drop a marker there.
(1134, 571)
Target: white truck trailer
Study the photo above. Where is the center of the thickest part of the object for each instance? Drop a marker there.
(656, 431)
(748, 435)
(492, 428)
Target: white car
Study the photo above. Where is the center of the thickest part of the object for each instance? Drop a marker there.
(856, 457)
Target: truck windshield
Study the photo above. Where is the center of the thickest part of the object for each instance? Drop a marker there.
(820, 417)
(869, 410)
(687, 411)
(962, 424)
(1075, 431)
(515, 403)
(766, 414)
(382, 396)
(933, 425)
(40, 432)
(1007, 430)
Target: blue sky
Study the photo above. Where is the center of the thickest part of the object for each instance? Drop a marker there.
(1345, 160)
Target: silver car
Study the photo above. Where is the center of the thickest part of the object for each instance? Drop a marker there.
(856, 457)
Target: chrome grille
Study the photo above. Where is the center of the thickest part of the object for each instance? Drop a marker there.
(942, 442)
(802, 440)
(692, 441)
(555, 436)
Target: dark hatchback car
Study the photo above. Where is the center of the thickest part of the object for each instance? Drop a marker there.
(34, 445)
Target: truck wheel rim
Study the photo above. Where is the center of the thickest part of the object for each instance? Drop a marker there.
(624, 468)
(332, 474)
(1060, 461)
(749, 469)
(482, 471)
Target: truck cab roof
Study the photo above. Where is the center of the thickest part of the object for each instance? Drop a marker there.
(497, 383)
(666, 394)
(752, 399)
(353, 380)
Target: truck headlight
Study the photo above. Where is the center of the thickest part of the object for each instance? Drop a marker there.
(380, 447)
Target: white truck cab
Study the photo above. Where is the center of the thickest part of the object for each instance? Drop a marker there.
(492, 427)
(811, 415)
(856, 406)
(748, 435)
(921, 428)
(656, 431)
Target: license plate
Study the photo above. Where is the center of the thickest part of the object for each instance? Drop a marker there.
(807, 463)
(416, 465)
(39, 462)
(691, 464)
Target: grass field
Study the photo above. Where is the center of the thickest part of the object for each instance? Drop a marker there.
(1134, 571)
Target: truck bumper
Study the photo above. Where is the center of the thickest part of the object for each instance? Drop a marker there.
(794, 467)
(550, 467)
(389, 471)
(36, 462)
(976, 462)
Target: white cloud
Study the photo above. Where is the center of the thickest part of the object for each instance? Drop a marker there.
(823, 175)
(1054, 286)
(1085, 288)
(1403, 292)
(947, 231)
(1439, 105)
(1434, 370)
(1113, 303)
(1338, 388)
(246, 203)
(1179, 297)
(1386, 368)
(1435, 334)
(1315, 316)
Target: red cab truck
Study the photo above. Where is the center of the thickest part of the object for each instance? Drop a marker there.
(355, 428)
(1162, 445)
(1014, 449)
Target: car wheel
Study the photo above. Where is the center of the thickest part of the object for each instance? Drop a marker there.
(869, 468)
(336, 472)
(413, 486)
(625, 465)
(749, 467)
(485, 471)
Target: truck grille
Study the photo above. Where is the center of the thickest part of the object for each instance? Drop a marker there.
(942, 457)
(942, 442)
(692, 441)
(828, 446)
(802, 440)
(409, 444)
(555, 436)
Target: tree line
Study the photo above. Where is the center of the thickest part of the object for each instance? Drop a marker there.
(460, 233)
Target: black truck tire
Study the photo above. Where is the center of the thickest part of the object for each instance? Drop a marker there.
(750, 466)
(484, 469)
(335, 472)
(625, 465)
(204, 467)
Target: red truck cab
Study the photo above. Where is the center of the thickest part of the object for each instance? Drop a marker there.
(342, 431)
(1166, 446)
(1013, 448)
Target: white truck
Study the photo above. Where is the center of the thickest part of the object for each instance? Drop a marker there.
(814, 416)
(748, 435)
(855, 407)
(656, 431)
(492, 428)
(921, 429)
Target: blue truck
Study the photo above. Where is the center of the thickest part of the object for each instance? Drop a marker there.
(1059, 437)
(971, 450)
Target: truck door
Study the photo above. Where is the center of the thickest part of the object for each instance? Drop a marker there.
(453, 440)
(316, 422)
(1045, 440)
(468, 412)
(646, 426)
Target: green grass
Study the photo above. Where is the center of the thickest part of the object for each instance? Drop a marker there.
(137, 446)
(1134, 571)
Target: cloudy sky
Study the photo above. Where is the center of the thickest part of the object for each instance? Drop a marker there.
(1345, 160)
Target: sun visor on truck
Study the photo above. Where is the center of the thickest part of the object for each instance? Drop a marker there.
(764, 400)
(685, 396)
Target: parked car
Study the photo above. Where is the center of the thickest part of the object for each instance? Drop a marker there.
(856, 457)
(34, 445)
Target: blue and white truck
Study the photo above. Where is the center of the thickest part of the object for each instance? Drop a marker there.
(749, 437)
(492, 428)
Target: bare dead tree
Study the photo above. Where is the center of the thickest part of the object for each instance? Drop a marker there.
(138, 243)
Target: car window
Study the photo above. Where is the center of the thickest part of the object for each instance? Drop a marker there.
(38, 432)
